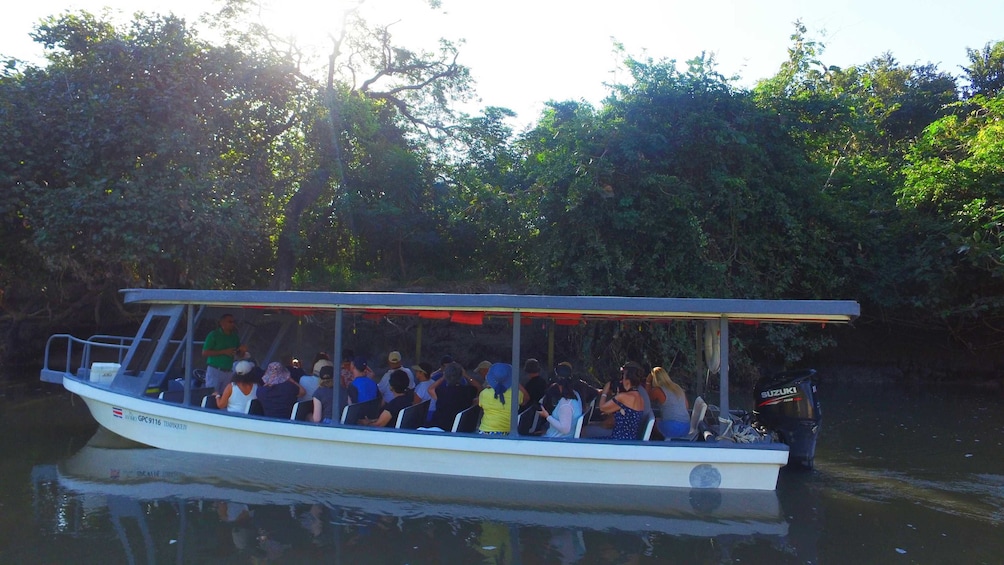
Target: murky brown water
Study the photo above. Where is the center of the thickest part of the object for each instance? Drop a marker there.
(901, 477)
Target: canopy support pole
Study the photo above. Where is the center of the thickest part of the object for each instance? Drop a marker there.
(418, 342)
(723, 372)
(700, 367)
(336, 402)
(514, 405)
(189, 328)
(550, 346)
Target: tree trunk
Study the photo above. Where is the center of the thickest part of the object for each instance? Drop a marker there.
(288, 246)
(329, 160)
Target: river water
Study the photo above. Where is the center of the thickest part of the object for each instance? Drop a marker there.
(902, 476)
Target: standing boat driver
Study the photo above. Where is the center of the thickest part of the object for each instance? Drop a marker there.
(219, 349)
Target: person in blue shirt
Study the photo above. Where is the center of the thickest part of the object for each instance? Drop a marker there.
(363, 388)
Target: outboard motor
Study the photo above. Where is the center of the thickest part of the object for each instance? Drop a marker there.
(787, 404)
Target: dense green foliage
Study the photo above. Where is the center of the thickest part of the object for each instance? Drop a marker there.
(142, 155)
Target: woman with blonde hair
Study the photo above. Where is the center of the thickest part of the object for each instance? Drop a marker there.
(675, 412)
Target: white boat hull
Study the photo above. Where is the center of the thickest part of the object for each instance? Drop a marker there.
(145, 474)
(655, 464)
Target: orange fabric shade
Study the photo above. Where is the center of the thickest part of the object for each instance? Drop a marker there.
(434, 314)
(469, 318)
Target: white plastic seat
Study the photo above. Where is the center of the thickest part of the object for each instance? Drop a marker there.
(578, 424)
(527, 421)
(353, 412)
(645, 430)
(696, 416)
(413, 417)
(466, 420)
(302, 410)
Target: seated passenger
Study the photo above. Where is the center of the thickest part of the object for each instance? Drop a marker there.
(481, 370)
(438, 373)
(403, 398)
(422, 384)
(674, 412)
(451, 396)
(394, 362)
(324, 397)
(322, 359)
(241, 391)
(628, 407)
(312, 381)
(346, 371)
(278, 392)
(496, 400)
(295, 372)
(536, 384)
(562, 371)
(567, 408)
(363, 388)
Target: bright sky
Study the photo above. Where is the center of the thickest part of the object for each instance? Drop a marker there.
(525, 52)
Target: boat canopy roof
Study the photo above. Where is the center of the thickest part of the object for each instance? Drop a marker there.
(470, 308)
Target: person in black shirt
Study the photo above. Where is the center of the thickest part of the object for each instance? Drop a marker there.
(403, 398)
(535, 385)
(452, 395)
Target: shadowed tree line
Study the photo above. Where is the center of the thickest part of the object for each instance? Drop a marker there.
(142, 155)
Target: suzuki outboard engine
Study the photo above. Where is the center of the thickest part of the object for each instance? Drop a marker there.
(787, 405)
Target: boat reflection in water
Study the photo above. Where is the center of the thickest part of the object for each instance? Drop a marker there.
(185, 507)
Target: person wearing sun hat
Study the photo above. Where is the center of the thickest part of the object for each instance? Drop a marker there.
(496, 400)
(394, 362)
(278, 392)
(481, 370)
(422, 384)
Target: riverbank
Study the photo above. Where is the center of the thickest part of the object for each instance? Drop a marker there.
(879, 355)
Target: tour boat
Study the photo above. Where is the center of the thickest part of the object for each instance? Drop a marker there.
(122, 381)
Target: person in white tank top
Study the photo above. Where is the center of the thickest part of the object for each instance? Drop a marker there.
(239, 393)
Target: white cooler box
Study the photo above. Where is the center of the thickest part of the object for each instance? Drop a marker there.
(104, 372)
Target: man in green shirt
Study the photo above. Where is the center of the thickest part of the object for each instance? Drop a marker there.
(219, 349)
